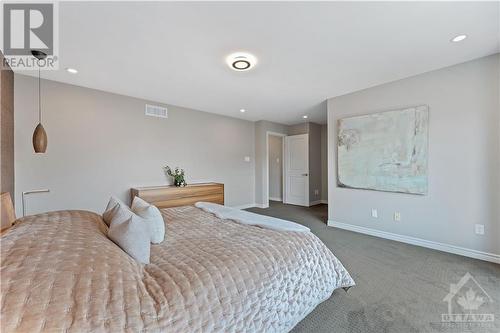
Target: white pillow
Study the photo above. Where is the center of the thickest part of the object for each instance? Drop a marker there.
(112, 209)
(132, 235)
(153, 218)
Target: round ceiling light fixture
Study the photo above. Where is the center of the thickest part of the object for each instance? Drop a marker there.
(305, 116)
(242, 110)
(71, 70)
(458, 38)
(241, 61)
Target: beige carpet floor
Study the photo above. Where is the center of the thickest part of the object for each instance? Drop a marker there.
(399, 287)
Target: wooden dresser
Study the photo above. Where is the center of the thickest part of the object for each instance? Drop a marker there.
(171, 196)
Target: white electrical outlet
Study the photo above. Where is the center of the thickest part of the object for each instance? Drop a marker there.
(374, 213)
(479, 229)
(316, 192)
(397, 216)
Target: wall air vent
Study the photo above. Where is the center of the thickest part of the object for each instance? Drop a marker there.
(156, 111)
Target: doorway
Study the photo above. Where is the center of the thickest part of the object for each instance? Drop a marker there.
(275, 151)
(287, 169)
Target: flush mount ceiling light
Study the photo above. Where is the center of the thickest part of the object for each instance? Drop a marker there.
(241, 61)
(242, 110)
(458, 38)
(305, 116)
(71, 70)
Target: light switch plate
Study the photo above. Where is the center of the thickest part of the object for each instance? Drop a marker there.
(247, 158)
(479, 229)
(374, 213)
(397, 216)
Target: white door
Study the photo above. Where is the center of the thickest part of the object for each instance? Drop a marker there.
(297, 170)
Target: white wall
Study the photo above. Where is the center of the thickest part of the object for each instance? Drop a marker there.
(464, 158)
(101, 144)
(275, 167)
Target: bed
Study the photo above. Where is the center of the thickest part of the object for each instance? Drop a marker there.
(60, 272)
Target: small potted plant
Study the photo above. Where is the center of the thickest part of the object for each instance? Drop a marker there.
(177, 175)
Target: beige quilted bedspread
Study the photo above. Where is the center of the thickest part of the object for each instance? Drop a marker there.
(59, 272)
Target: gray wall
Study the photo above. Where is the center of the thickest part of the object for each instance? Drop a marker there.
(101, 144)
(276, 167)
(314, 131)
(464, 157)
(261, 129)
(302, 128)
(324, 163)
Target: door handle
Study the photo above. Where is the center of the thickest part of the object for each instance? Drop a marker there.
(305, 174)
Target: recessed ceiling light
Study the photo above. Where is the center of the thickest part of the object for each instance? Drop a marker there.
(458, 38)
(71, 70)
(241, 61)
(242, 110)
(305, 116)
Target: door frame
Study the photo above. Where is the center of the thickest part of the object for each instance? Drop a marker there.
(266, 194)
(308, 202)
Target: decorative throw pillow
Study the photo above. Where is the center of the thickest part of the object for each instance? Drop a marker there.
(112, 209)
(132, 235)
(153, 218)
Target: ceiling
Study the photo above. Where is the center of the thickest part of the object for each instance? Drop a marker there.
(307, 52)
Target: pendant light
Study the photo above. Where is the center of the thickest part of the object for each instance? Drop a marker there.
(39, 135)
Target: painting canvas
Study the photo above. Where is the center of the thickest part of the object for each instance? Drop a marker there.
(384, 151)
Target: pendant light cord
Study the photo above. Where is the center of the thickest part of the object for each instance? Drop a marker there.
(39, 99)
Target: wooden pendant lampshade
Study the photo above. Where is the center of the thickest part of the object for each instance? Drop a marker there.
(39, 139)
(39, 135)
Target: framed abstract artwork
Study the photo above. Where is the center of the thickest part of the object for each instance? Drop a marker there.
(385, 151)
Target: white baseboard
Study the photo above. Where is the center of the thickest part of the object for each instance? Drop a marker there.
(317, 202)
(492, 257)
(252, 205)
(245, 206)
(275, 199)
